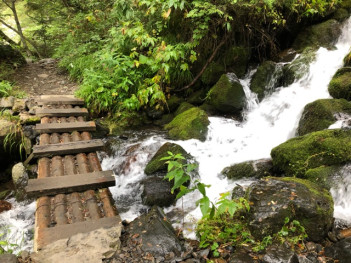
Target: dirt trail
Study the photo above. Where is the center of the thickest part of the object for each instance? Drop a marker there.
(43, 77)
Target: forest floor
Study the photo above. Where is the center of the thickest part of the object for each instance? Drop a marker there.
(43, 77)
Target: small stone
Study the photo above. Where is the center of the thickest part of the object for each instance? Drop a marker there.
(7, 102)
(43, 76)
(5, 206)
(204, 253)
(19, 105)
(311, 246)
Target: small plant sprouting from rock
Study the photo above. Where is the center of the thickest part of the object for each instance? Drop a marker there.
(224, 224)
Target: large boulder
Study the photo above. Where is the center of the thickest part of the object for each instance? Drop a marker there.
(191, 124)
(320, 114)
(156, 164)
(183, 107)
(236, 59)
(324, 34)
(228, 95)
(340, 85)
(340, 251)
(157, 191)
(257, 169)
(173, 103)
(265, 79)
(274, 199)
(322, 148)
(156, 234)
(299, 67)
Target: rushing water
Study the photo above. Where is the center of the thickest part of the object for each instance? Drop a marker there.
(266, 125)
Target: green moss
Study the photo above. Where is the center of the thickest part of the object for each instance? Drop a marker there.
(319, 115)
(197, 97)
(191, 124)
(321, 175)
(341, 14)
(212, 73)
(298, 155)
(346, 4)
(262, 79)
(123, 121)
(174, 102)
(299, 67)
(156, 164)
(236, 60)
(324, 34)
(183, 107)
(340, 85)
(31, 120)
(240, 170)
(347, 60)
(227, 96)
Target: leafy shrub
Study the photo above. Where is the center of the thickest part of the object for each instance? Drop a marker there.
(5, 88)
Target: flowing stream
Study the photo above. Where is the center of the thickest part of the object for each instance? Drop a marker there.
(266, 125)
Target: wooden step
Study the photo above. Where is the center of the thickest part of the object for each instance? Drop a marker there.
(59, 100)
(65, 127)
(45, 236)
(67, 148)
(61, 112)
(69, 183)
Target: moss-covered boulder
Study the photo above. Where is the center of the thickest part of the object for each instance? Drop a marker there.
(347, 60)
(236, 59)
(228, 95)
(191, 124)
(322, 148)
(212, 73)
(341, 14)
(320, 114)
(324, 34)
(156, 164)
(197, 97)
(340, 85)
(183, 107)
(265, 79)
(324, 176)
(298, 67)
(257, 168)
(274, 199)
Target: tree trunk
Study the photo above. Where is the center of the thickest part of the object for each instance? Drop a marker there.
(7, 39)
(19, 28)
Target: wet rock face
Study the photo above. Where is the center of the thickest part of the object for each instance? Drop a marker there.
(156, 234)
(321, 35)
(257, 169)
(157, 191)
(227, 95)
(340, 251)
(274, 199)
(279, 254)
(20, 180)
(340, 85)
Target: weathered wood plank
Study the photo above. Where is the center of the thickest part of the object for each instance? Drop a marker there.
(59, 100)
(69, 183)
(46, 236)
(67, 148)
(61, 112)
(66, 127)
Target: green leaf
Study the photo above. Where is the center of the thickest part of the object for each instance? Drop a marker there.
(204, 205)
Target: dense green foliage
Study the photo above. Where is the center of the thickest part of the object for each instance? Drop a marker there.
(132, 54)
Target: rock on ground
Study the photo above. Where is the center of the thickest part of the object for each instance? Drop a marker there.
(89, 247)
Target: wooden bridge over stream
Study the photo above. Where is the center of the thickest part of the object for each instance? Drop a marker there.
(71, 188)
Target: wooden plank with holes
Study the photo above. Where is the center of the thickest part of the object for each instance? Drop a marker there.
(69, 183)
(61, 112)
(59, 100)
(67, 148)
(66, 127)
(46, 236)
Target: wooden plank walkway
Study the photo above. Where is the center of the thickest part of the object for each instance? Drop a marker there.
(71, 186)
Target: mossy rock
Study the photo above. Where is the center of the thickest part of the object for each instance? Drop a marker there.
(236, 59)
(11, 56)
(249, 169)
(346, 4)
(124, 121)
(322, 148)
(197, 97)
(165, 119)
(323, 175)
(324, 34)
(228, 95)
(320, 114)
(183, 107)
(212, 73)
(158, 165)
(347, 60)
(191, 124)
(174, 102)
(264, 79)
(341, 14)
(273, 199)
(340, 85)
(299, 67)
